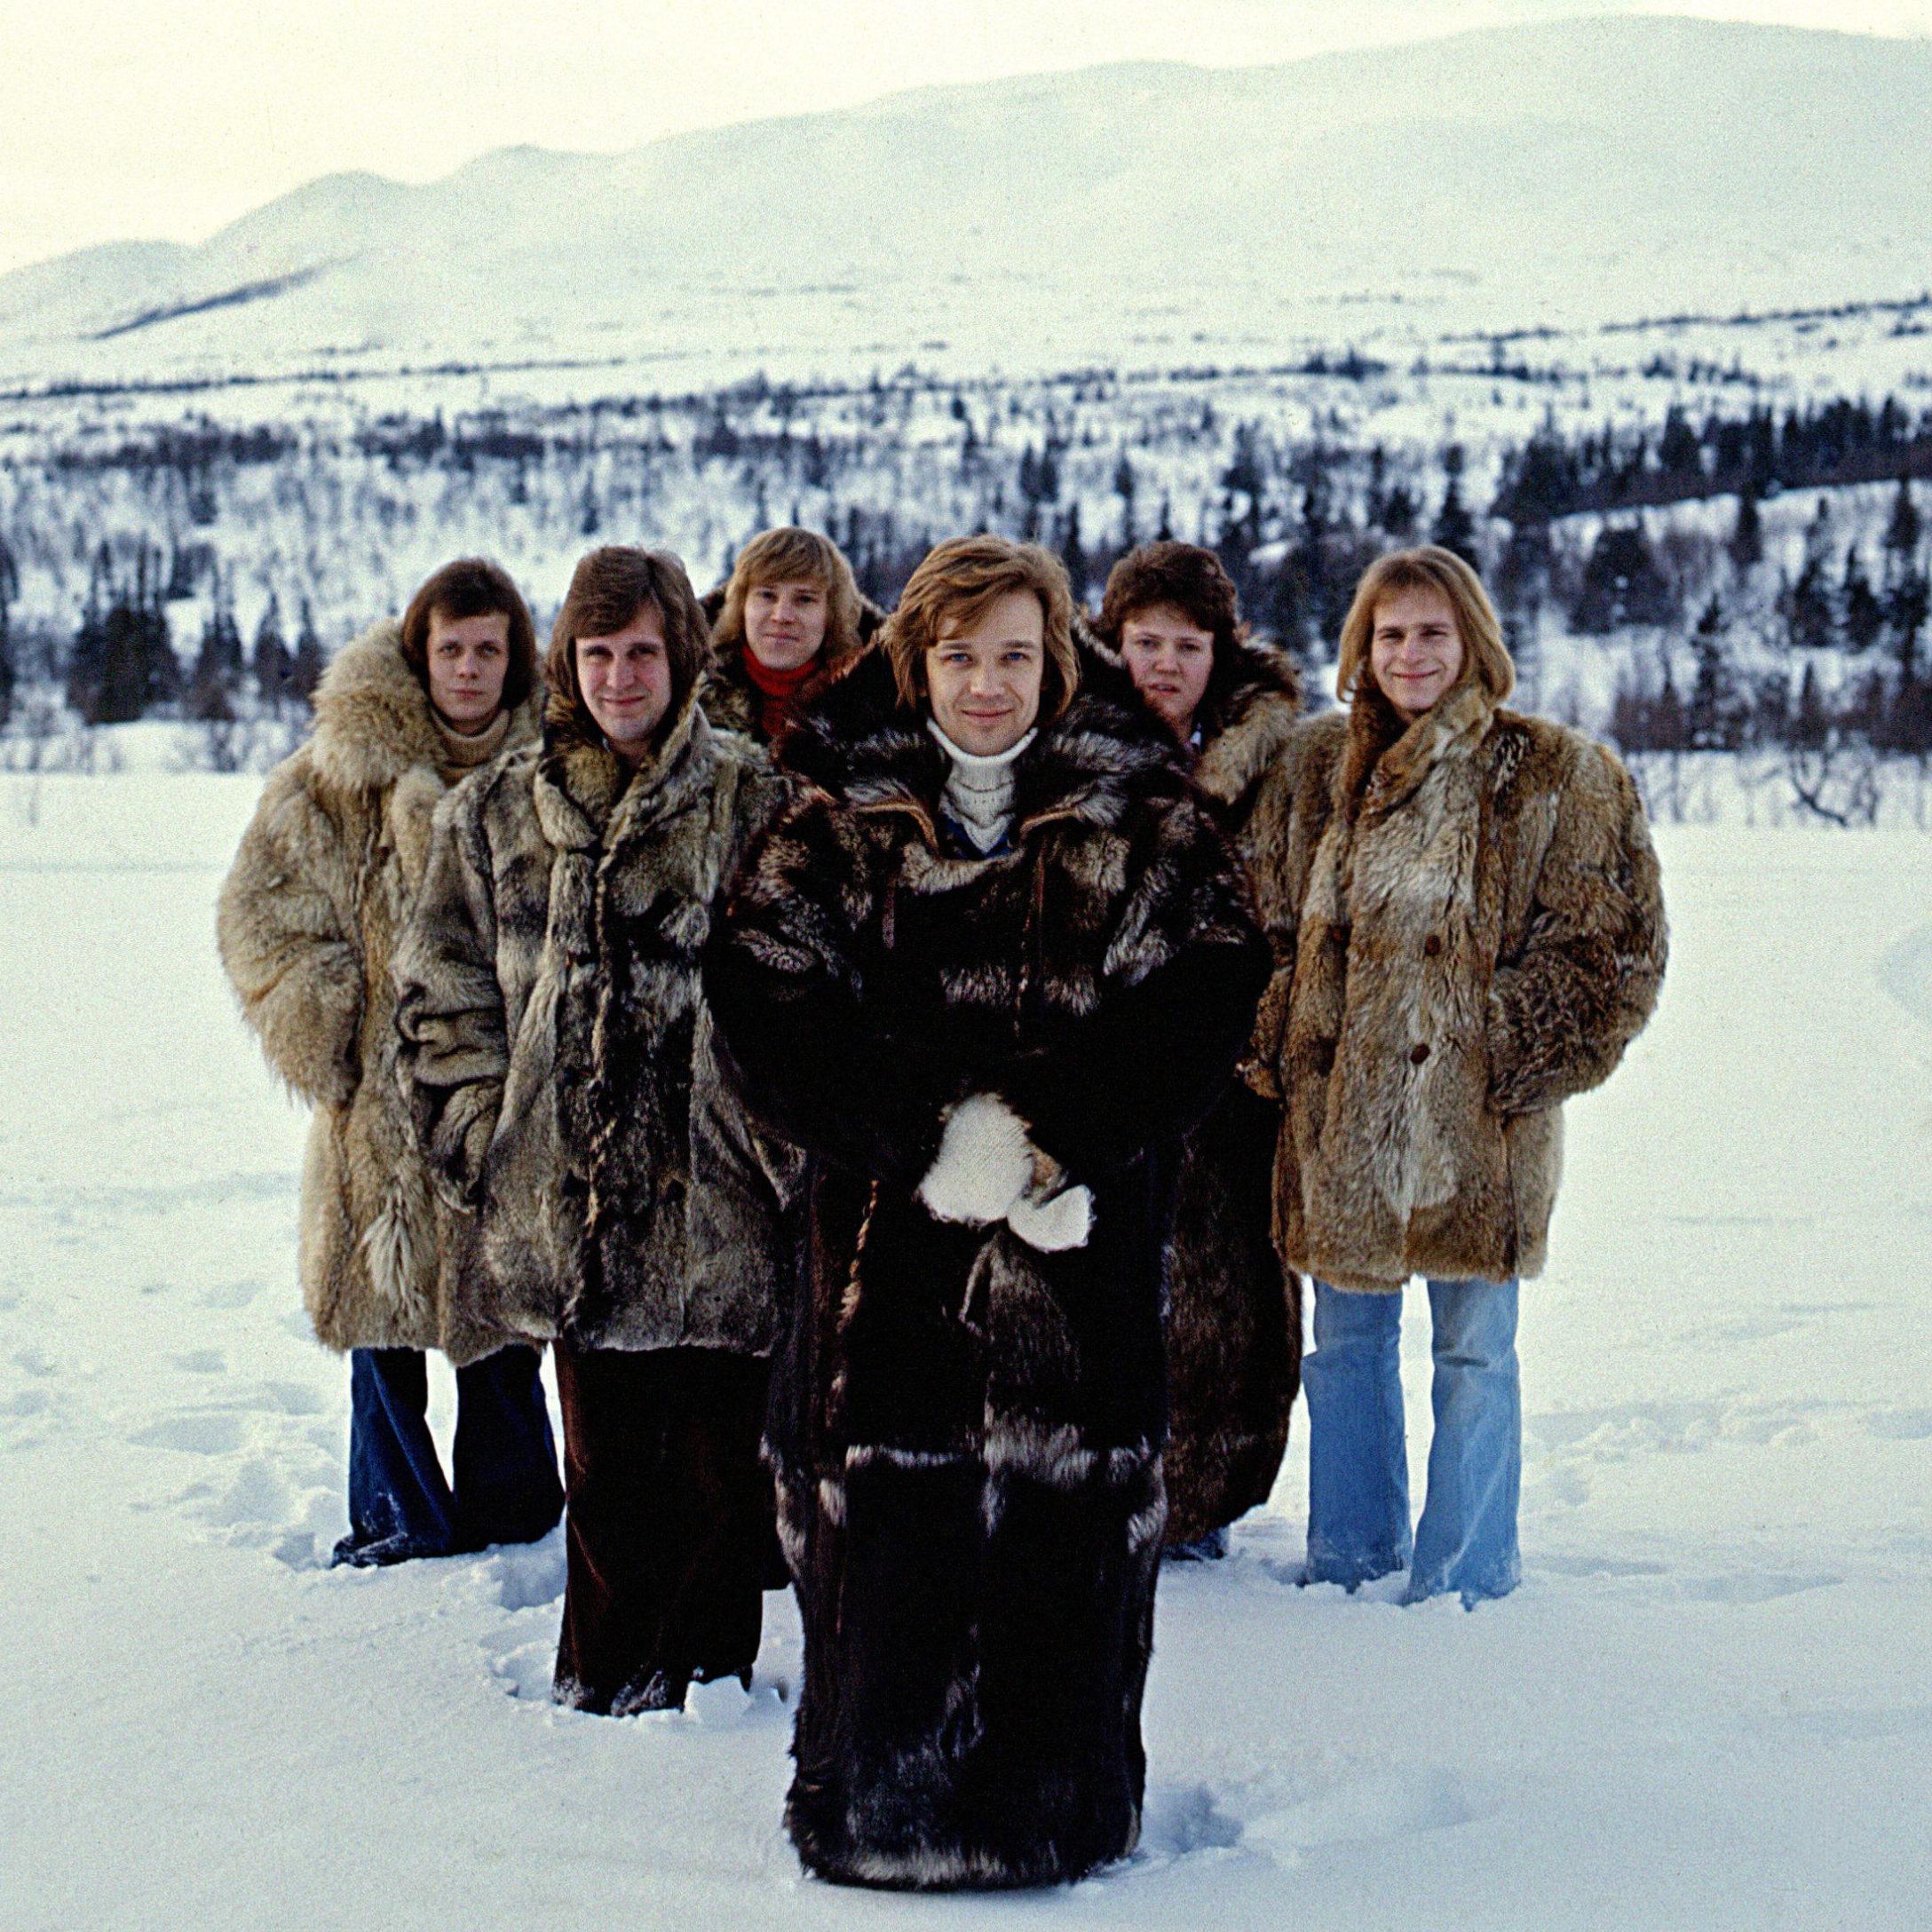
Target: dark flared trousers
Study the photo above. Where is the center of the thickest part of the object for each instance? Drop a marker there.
(669, 1524)
(503, 1487)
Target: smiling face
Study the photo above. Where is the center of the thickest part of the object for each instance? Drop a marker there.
(1170, 657)
(984, 679)
(785, 622)
(467, 658)
(1415, 651)
(626, 681)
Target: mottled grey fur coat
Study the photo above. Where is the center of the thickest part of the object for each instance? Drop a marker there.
(1472, 913)
(308, 923)
(1234, 1312)
(967, 1423)
(556, 1039)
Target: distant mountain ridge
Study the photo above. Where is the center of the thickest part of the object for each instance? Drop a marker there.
(1601, 167)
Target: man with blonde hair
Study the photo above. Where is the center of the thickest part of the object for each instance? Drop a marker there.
(788, 620)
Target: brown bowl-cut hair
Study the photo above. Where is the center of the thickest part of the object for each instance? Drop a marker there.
(608, 590)
(474, 587)
(1188, 579)
(1486, 657)
(956, 584)
(777, 555)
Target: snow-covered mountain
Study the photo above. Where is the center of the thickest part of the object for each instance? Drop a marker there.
(1597, 169)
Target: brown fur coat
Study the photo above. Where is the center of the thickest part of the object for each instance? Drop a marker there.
(1471, 916)
(1234, 1313)
(308, 924)
(556, 1037)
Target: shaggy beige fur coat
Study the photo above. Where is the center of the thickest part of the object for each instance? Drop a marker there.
(1470, 913)
(308, 924)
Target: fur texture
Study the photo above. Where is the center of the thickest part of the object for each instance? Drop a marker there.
(1234, 1312)
(967, 1428)
(1473, 927)
(308, 924)
(554, 1034)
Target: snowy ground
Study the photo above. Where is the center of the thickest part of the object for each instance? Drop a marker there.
(1710, 1703)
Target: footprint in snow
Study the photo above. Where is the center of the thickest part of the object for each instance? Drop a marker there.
(1269, 1818)
(1900, 1425)
(237, 1294)
(1752, 1586)
(527, 1574)
(201, 1432)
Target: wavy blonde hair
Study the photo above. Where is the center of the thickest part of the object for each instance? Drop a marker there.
(773, 556)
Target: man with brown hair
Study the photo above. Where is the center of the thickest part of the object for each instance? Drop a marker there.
(310, 918)
(556, 1039)
(1234, 1312)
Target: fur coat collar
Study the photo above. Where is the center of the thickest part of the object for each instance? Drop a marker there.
(1255, 719)
(588, 798)
(861, 743)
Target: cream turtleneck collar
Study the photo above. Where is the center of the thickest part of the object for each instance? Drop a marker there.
(978, 797)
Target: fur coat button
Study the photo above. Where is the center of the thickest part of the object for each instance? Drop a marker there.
(1325, 1058)
(1432, 944)
(1419, 1052)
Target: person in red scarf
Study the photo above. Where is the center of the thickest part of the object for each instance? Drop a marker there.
(786, 622)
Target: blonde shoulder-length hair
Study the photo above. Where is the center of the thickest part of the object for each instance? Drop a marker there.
(775, 556)
(1486, 657)
(956, 584)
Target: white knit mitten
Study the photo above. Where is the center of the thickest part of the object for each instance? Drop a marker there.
(985, 1162)
(1065, 1221)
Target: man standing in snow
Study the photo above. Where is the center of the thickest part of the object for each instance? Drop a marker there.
(557, 1042)
(326, 876)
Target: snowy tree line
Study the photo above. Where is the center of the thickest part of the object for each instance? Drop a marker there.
(1740, 580)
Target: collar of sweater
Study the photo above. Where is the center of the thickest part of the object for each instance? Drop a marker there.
(463, 751)
(980, 788)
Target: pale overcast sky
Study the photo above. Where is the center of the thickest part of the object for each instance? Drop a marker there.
(169, 118)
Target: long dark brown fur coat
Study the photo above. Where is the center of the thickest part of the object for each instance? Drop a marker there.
(309, 920)
(1472, 911)
(1234, 1312)
(966, 1430)
(555, 1036)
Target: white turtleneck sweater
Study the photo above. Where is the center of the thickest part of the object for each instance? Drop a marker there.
(979, 790)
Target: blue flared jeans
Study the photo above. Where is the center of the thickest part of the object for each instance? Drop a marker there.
(504, 1488)
(1357, 1456)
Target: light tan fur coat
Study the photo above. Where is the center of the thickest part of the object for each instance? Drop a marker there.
(308, 923)
(1472, 916)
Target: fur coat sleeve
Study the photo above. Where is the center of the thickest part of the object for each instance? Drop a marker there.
(789, 975)
(1182, 968)
(286, 930)
(1579, 990)
(455, 1051)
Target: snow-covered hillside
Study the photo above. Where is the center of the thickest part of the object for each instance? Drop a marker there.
(1709, 1704)
(1546, 175)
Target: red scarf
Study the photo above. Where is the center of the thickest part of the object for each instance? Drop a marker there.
(779, 690)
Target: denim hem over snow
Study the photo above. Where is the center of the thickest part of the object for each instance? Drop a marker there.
(1358, 1479)
(506, 1488)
